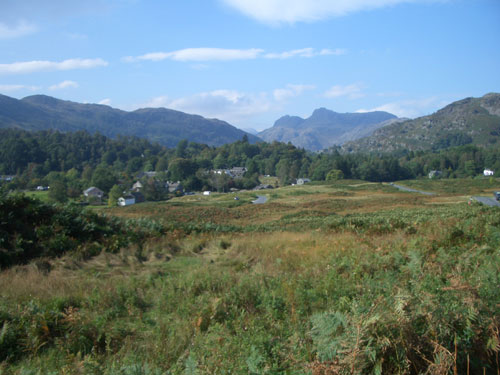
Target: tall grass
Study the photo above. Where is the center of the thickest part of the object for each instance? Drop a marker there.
(401, 291)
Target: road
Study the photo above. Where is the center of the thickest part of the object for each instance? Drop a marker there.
(487, 201)
(404, 188)
(261, 199)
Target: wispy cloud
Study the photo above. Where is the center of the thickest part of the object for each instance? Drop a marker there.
(9, 88)
(106, 101)
(291, 91)
(200, 54)
(411, 108)
(353, 91)
(304, 52)
(230, 105)
(64, 85)
(290, 11)
(44, 66)
(233, 106)
(20, 29)
(223, 54)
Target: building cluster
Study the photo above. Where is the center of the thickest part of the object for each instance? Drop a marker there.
(235, 172)
(136, 193)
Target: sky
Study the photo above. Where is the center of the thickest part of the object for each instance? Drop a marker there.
(249, 62)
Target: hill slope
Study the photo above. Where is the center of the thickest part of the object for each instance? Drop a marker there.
(325, 128)
(165, 126)
(468, 121)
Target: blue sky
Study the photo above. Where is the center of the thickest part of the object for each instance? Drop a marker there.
(249, 62)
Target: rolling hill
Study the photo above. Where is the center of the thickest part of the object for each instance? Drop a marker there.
(165, 126)
(469, 121)
(325, 128)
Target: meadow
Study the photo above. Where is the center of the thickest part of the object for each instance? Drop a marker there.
(346, 277)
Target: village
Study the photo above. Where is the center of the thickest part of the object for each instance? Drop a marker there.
(166, 189)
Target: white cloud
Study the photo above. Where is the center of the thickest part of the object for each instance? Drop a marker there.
(43, 66)
(230, 105)
(353, 91)
(291, 11)
(8, 88)
(222, 54)
(236, 107)
(64, 85)
(106, 101)
(233, 106)
(305, 52)
(411, 108)
(291, 91)
(22, 28)
(336, 52)
(200, 54)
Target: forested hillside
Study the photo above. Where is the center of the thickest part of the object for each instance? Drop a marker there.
(165, 126)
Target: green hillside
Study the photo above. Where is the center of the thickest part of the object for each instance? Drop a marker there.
(469, 121)
(165, 126)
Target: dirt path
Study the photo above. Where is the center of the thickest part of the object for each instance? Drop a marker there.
(404, 188)
(261, 199)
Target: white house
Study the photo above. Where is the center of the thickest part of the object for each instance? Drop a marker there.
(126, 200)
(435, 174)
(488, 172)
(137, 186)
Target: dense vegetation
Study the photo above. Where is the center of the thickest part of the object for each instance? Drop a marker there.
(79, 160)
(338, 278)
(32, 229)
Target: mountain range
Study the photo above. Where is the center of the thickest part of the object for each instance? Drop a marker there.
(326, 128)
(468, 121)
(165, 126)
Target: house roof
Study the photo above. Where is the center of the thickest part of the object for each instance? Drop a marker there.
(127, 197)
(93, 189)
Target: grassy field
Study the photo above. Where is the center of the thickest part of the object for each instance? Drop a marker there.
(42, 195)
(342, 278)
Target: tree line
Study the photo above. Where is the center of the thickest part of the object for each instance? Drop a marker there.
(78, 160)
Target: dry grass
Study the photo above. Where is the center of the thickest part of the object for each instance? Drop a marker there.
(273, 253)
(29, 281)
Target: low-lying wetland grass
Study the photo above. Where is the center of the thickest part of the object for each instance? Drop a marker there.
(374, 282)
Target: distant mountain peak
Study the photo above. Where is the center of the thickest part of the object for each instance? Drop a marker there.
(288, 121)
(324, 128)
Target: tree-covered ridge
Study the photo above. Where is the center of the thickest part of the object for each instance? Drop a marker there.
(165, 126)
